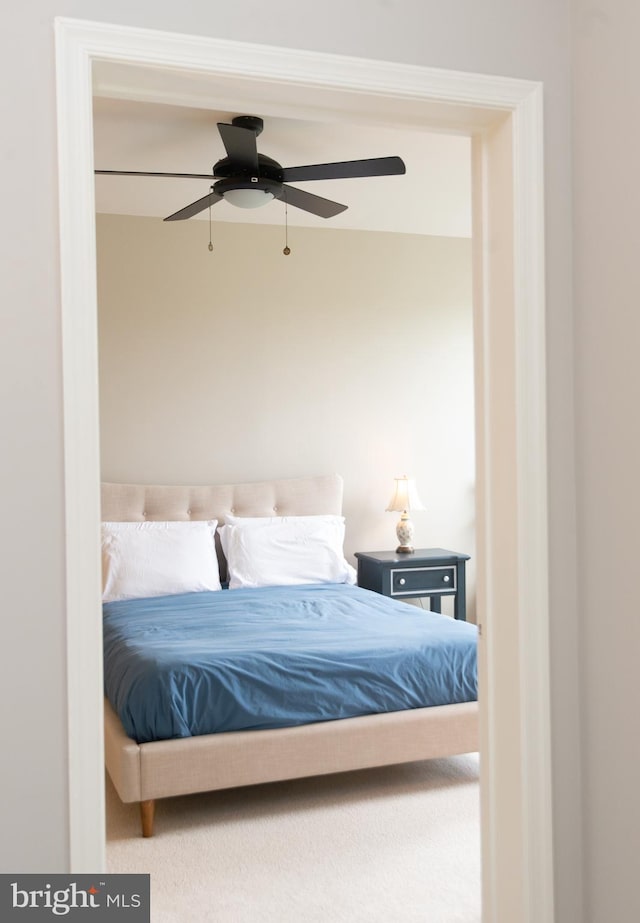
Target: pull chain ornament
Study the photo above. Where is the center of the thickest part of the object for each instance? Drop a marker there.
(210, 243)
(286, 250)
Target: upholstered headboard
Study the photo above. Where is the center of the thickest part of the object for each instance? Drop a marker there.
(291, 497)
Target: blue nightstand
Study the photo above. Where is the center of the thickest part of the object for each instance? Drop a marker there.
(432, 572)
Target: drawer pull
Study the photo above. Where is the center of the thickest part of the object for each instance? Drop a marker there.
(446, 578)
(402, 581)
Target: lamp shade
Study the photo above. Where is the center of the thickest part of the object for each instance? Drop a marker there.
(405, 496)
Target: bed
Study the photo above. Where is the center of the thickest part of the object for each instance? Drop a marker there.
(250, 749)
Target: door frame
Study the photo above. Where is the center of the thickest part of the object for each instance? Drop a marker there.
(504, 118)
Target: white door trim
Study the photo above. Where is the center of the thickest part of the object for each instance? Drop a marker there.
(509, 322)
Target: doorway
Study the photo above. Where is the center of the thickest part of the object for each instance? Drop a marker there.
(504, 119)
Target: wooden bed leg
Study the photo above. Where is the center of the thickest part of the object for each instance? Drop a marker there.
(147, 814)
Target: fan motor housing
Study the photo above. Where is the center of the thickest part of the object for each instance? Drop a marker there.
(267, 168)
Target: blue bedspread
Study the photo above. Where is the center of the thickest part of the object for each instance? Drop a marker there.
(201, 663)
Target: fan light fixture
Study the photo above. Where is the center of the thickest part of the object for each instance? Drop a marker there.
(248, 198)
(404, 498)
(248, 191)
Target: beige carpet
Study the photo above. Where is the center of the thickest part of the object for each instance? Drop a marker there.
(392, 845)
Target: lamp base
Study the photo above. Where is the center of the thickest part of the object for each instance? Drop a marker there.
(404, 534)
(405, 549)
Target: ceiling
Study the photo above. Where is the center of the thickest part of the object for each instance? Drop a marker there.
(433, 197)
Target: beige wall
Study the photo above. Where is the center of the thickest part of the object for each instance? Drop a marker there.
(529, 40)
(607, 211)
(354, 354)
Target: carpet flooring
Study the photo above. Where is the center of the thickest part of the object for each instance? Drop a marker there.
(399, 844)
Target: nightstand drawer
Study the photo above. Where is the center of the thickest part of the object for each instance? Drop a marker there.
(408, 580)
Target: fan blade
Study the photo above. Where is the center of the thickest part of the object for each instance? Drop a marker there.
(199, 206)
(324, 208)
(347, 169)
(241, 147)
(208, 176)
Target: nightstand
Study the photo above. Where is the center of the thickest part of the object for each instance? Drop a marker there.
(432, 572)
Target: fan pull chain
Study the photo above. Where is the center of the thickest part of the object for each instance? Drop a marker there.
(286, 250)
(210, 243)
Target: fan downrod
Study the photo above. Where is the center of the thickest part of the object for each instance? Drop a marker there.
(252, 122)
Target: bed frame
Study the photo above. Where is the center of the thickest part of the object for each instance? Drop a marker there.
(146, 772)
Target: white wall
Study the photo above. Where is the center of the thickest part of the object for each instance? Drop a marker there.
(607, 215)
(354, 354)
(528, 39)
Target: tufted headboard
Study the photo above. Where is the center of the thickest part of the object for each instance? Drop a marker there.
(291, 497)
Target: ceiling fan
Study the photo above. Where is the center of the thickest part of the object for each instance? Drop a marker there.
(248, 179)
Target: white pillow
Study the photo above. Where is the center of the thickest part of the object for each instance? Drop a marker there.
(142, 559)
(286, 551)
(224, 531)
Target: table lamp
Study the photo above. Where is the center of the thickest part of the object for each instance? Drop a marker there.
(405, 498)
